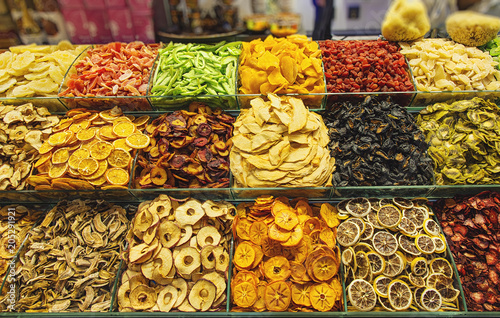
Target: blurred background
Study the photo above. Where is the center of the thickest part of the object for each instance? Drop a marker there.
(103, 21)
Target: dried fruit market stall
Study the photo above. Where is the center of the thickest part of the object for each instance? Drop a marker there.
(278, 176)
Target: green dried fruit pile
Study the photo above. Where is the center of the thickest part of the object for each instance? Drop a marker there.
(464, 141)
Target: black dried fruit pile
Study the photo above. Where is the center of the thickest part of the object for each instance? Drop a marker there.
(376, 142)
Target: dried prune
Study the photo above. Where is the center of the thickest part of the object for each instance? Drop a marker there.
(376, 142)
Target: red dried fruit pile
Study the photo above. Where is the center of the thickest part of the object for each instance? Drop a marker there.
(364, 66)
(471, 226)
(114, 69)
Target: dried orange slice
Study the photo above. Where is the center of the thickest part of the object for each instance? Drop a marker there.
(244, 255)
(77, 156)
(300, 294)
(107, 116)
(270, 247)
(123, 129)
(57, 171)
(278, 234)
(88, 166)
(117, 176)
(43, 159)
(98, 182)
(119, 158)
(45, 148)
(121, 143)
(103, 167)
(101, 150)
(106, 133)
(324, 268)
(278, 296)
(322, 296)
(245, 294)
(86, 134)
(257, 232)
(63, 124)
(58, 139)
(296, 236)
(137, 141)
(59, 156)
(277, 268)
(286, 219)
(79, 125)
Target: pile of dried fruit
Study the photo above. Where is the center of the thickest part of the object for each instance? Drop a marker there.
(16, 221)
(89, 149)
(376, 142)
(71, 259)
(286, 257)
(471, 227)
(189, 149)
(462, 139)
(282, 66)
(196, 69)
(364, 66)
(280, 143)
(35, 70)
(443, 65)
(23, 129)
(393, 256)
(177, 256)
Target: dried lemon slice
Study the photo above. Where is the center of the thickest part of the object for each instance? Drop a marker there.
(59, 156)
(123, 129)
(377, 262)
(385, 243)
(407, 226)
(389, 216)
(137, 141)
(245, 294)
(431, 227)
(403, 203)
(117, 176)
(348, 233)
(430, 299)
(368, 232)
(394, 265)
(419, 266)
(380, 284)
(348, 257)
(119, 158)
(408, 245)
(101, 150)
(358, 207)
(322, 297)
(415, 280)
(362, 295)
(277, 296)
(76, 157)
(425, 244)
(441, 265)
(417, 215)
(362, 266)
(440, 244)
(88, 166)
(399, 295)
(57, 171)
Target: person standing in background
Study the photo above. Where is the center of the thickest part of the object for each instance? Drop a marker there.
(323, 19)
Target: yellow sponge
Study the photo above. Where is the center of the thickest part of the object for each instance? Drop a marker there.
(471, 28)
(406, 20)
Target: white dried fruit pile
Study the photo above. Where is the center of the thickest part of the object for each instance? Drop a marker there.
(177, 256)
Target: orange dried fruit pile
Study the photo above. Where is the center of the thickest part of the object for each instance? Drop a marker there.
(282, 66)
(286, 256)
(88, 150)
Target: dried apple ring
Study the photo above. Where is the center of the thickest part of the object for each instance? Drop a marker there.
(322, 297)
(277, 268)
(245, 294)
(278, 296)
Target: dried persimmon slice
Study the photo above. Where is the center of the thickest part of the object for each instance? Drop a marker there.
(271, 247)
(328, 237)
(298, 271)
(322, 297)
(245, 276)
(296, 236)
(244, 255)
(242, 228)
(260, 304)
(278, 296)
(324, 268)
(245, 294)
(278, 234)
(258, 232)
(300, 294)
(277, 268)
(310, 225)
